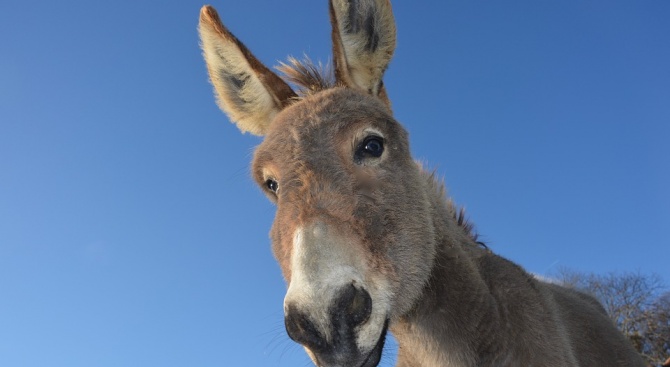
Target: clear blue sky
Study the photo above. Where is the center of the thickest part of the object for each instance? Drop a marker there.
(131, 233)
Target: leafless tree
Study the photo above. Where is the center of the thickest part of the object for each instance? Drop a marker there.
(658, 328)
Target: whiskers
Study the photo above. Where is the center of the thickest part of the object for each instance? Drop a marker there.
(279, 348)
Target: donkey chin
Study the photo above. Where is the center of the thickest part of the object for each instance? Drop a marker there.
(329, 308)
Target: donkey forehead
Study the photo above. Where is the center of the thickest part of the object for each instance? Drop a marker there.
(324, 122)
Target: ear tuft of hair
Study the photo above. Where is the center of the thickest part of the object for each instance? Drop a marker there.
(309, 77)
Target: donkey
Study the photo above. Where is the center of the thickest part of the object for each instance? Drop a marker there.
(367, 240)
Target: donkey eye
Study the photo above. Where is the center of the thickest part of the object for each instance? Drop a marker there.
(272, 185)
(372, 146)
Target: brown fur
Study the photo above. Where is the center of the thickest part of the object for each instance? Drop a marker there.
(451, 301)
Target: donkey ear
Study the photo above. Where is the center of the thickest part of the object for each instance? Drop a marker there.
(364, 37)
(247, 91)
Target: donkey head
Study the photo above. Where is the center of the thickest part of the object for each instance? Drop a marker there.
(353, 232)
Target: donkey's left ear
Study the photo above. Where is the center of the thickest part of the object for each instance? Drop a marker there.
(247, 91)
(364, 38)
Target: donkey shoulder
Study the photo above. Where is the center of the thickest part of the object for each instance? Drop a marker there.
(555, 318)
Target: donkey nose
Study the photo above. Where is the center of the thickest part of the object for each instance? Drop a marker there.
(352, 307)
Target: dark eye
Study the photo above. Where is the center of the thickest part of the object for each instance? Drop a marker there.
(272, 185)
(372, 146)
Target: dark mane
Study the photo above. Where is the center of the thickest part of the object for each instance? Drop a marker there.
(466, 225)
(307, 77)
(456, 212)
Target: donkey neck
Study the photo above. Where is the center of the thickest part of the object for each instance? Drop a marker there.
(445, 325)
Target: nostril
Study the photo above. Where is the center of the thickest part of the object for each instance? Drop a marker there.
(302, 330)
(360, 305)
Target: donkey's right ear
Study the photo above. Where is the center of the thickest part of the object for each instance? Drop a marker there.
(247, 91)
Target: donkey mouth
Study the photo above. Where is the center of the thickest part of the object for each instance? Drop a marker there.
(375, 355)
(351, 356)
